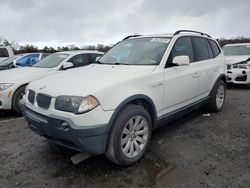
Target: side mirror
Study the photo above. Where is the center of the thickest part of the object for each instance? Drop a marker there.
(181, 60)
(97, 58)
(67, 65)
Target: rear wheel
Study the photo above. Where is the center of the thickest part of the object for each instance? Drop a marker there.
(18, 95)
(218, 96)
(129, 136)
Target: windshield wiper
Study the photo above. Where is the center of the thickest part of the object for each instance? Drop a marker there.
(117, 63)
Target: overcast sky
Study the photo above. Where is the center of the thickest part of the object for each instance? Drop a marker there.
(60, 22)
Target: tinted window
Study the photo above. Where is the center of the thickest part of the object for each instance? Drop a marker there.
(94, 56)
(183, 46)
(209, 50)
(215, 48)
(200, 49)
(27, 60)
(79, 60)
(4, 52)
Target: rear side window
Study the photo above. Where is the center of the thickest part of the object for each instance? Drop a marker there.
(4, 52)
(94, 56)
(201, 52)
(183, 46)
(215, 48)
(80, 60)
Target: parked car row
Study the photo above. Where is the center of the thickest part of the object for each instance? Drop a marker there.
(22, 60)
(110, 103)
(14, 81)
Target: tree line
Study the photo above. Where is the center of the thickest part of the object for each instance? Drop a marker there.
(29, 48)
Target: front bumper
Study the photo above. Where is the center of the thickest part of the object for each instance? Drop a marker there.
(62, 131)
(6, 99)
(238, 76)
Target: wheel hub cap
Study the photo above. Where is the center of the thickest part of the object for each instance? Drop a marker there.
(134, 136)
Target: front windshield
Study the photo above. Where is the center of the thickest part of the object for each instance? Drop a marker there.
(140, 51)
(236, 50)
(8, 61)
(51, 61)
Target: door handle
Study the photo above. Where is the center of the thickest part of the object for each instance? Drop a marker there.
(196, 75)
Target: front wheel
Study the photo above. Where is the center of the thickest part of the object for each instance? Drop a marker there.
(130, 135)
(218, 96)
(18, 95)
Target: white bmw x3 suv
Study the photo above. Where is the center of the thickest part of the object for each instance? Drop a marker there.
(111, 107)
(238, 63)
(14, 81)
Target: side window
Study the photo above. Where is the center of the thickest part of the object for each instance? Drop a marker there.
(79, 60)
(215, 49)
(200, 49)
(4, 52)
(209, 50)
(183, 46)
(94, 56)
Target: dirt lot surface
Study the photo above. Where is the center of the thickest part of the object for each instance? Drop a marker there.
(195, 151)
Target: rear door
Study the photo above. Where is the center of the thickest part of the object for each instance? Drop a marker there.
(203, 62)
(206, 62)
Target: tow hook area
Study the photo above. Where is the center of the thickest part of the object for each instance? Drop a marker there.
(80, 157)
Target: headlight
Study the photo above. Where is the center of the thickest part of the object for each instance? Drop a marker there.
(4, 86)
(75, 104)
(242, 66)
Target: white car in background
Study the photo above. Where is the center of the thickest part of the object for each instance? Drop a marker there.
(14, 81)
(5, 52)
(238, 63)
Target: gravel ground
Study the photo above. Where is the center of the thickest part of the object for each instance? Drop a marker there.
(195, 151)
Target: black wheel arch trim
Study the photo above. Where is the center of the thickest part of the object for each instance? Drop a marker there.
(16, 91)
(220, 77)
(127, 101)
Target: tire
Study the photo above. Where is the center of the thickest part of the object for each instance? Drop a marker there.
(219, 91)
(16, 97)
(248, 86)
(117, 151)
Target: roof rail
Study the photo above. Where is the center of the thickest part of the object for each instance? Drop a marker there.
(131, 36)
(190, 31)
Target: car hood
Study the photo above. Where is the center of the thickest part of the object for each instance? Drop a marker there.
(88, 80)
(236, 59)
(24, 75)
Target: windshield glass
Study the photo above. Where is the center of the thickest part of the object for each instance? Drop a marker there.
(141, 51)
(8, 61)
(51, 61)
(236, 50)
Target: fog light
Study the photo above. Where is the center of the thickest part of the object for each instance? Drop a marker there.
(1, 103)
(65, 126)
(243, 72)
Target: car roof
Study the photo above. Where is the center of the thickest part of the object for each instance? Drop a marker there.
(238, 44)
(171, 35)
(75, 52)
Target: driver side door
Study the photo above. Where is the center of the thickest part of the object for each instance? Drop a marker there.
(181, 82)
